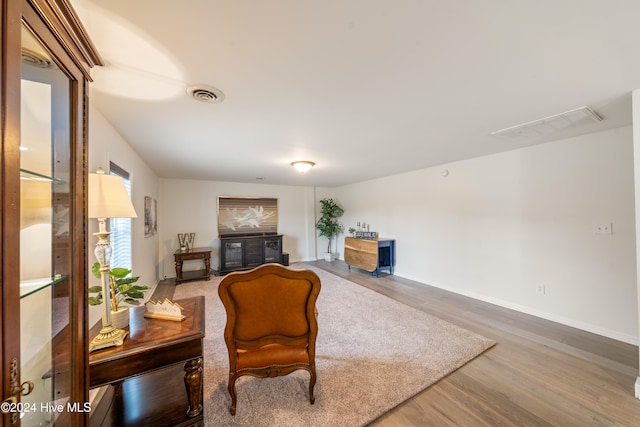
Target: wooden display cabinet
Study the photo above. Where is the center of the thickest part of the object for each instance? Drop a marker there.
(46, 60)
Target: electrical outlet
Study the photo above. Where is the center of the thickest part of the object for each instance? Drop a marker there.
(540, 288)
(603, 228)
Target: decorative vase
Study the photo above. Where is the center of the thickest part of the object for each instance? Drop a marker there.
(328, 256)
(120, 318)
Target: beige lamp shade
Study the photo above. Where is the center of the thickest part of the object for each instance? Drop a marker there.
(108, 197)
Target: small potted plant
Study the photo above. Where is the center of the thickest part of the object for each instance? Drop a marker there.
(122, 290)
(328, 224)
(352, 231)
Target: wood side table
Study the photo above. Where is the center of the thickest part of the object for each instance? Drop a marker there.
(156, 353)
(180, 256)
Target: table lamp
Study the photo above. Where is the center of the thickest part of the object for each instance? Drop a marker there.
(108, 198)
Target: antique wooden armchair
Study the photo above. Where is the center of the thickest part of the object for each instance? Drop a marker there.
(271, 323)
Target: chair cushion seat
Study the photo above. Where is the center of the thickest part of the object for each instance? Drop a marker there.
(271, 355)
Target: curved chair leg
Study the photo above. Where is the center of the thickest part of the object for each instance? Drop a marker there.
(312, 384)
(232, 392)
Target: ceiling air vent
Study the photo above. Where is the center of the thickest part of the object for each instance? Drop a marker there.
(206, 94)
(548, 125)
(36, 59)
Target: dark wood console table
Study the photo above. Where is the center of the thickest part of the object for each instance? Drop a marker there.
(196, 253)
(157, 373)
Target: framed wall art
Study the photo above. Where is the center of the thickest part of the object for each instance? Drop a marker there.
(247, 216)
(150, 216)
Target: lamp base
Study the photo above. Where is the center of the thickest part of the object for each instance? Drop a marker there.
(109, 336)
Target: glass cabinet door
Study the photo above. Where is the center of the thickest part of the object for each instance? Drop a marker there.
(45, 264)
(272, 250)
(232, 255)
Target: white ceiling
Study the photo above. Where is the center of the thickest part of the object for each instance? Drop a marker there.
(364, 88)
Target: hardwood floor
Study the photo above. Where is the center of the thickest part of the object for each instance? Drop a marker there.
(540, 373)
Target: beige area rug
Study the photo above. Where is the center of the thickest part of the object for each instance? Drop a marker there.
(373, 353)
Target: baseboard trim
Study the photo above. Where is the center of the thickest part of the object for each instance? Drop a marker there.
(626, 338)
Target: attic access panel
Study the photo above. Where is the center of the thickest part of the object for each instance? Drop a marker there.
(247, 216)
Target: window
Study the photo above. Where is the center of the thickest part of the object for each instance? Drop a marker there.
(120, 227)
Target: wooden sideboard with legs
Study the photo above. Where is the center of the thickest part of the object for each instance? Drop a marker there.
(370, 255)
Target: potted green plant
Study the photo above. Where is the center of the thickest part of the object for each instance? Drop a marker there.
(328, 224)
(122, 290)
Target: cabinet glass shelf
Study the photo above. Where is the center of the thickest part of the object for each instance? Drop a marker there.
(27, 175)
(30, 287)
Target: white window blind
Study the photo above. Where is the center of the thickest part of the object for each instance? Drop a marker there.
(120, 227)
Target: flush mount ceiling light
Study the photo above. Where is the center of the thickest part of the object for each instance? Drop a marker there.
(548, 125)
(302, 166)
(204, 93)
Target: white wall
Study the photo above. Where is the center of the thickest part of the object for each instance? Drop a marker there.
(189, 206)
(497, 226)
(106, 144)
(636, 153)
(493, 229)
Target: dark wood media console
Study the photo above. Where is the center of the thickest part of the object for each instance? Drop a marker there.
(247, 252)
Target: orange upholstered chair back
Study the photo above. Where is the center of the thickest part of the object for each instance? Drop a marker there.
(271, 324)
(272, 303)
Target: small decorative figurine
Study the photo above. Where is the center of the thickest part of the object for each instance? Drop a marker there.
(165, 310)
